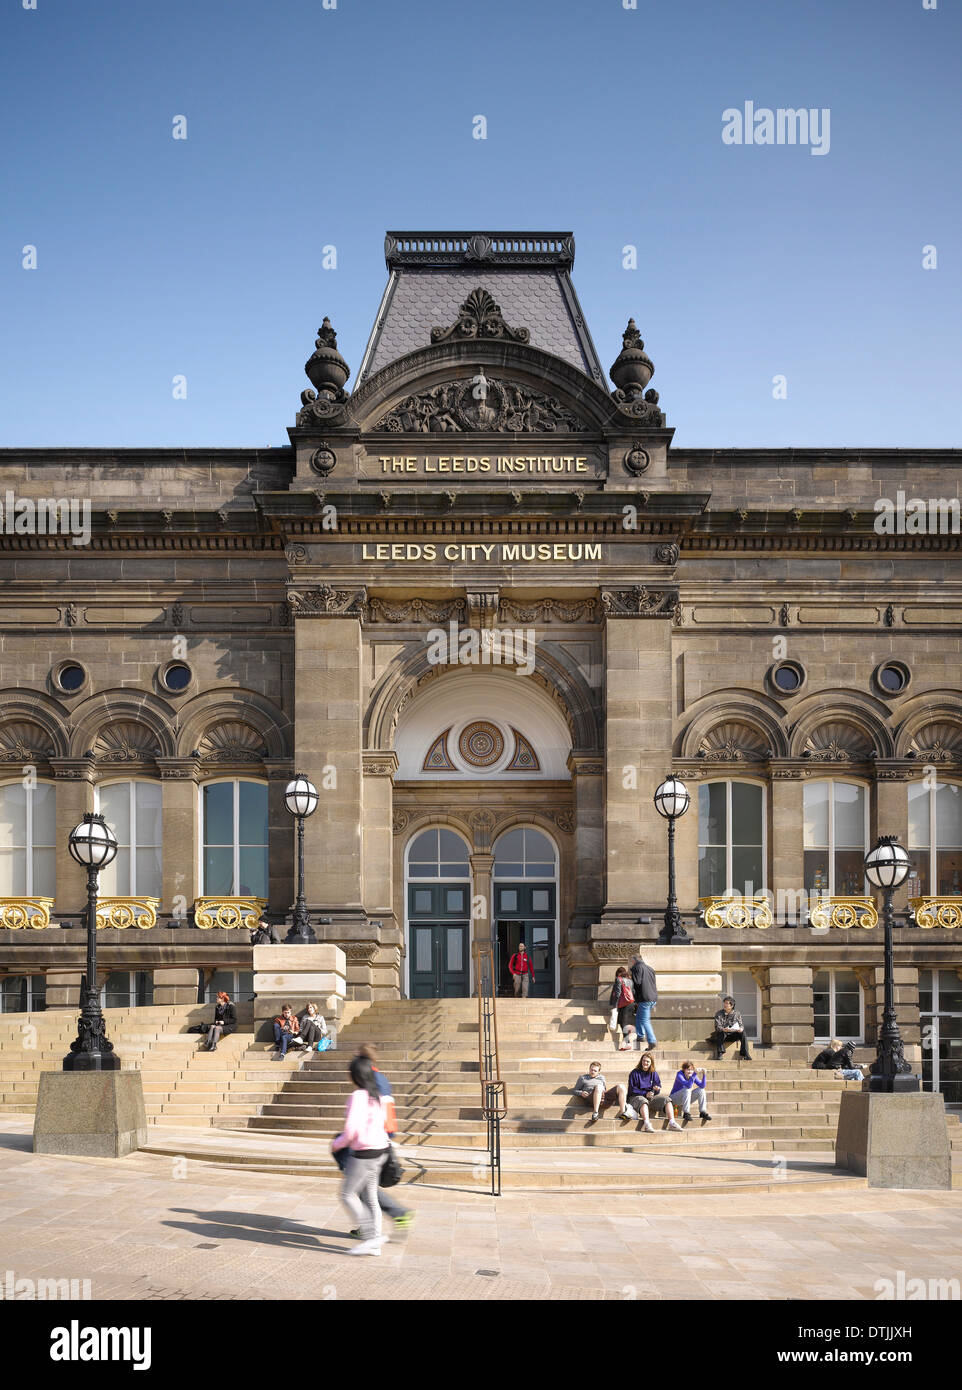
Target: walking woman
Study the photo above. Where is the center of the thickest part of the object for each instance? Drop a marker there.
(365, 1137)
(623, 1008)
(225, 1020)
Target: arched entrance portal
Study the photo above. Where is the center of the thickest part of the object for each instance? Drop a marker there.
(526, 907)
(439, 915)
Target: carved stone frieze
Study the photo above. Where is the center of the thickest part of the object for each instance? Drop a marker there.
(667, 554)
(363, 951)
(548, 610)
(327, 602)
(416, 610)
(480, 317)
(639, 602)
(479, 402)
(605, 952)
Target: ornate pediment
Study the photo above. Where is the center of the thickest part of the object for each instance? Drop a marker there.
(639, 602)
(480, 402)
(480, 317)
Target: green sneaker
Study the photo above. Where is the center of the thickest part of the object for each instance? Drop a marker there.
(355, 1235)
(405, 1220)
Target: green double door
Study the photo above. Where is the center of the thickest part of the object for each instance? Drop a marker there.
(526, 912)
(439, 923)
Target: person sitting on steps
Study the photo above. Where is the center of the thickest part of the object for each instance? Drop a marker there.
(286, 1028)
(729, 1027)
(646, 1096)
(838, 1059)
(312, 1024)
(592, 1088)
(687, 1081)
(225, 1020)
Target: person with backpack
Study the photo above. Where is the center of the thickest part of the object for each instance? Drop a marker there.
(646, 996)
(621, 1001)
(366, 1140)
(522, 970)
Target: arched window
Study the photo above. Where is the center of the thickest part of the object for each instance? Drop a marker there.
(524, 853)
(133, 812)
(234, 829)
(438, 854)
(835, 837)
(935, 839)
(731, 838)
(28, 827)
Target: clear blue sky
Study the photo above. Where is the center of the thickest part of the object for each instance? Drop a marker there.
(309, 127)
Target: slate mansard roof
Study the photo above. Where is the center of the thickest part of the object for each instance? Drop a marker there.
(432, 273)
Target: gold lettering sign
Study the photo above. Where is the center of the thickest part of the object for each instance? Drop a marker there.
(531, 465)
(478, 552)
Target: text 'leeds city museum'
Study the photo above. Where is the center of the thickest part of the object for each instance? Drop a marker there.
(485, 606)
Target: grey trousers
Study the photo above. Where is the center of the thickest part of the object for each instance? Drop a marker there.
(359, 1193)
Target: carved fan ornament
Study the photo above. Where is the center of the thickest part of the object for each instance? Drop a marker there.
(938, 743)
(839, 743)
(126, 742)
(733, 742)
(479, 402)
(24, 741)
(231, 742)
(480, 317)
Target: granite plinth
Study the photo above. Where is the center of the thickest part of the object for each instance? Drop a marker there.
(97, 1114)
(895, 1139)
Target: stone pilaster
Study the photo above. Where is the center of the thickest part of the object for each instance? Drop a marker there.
(638, 739)
(180, 871)
(482, 868)
(377, 834)
(891, 818)
(785, 836)
(63, 989)
(872, 980)
(281, 840)
(787, 1009)
(176, 985)
(588, 794)
(75, 796)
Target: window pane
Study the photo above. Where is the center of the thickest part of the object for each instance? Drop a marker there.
(44, 873)
(948, 869)
(452, 847)
(816, 870)
(950, 992)
(455, 948)
(510, 845)
(508, 900)
(220, 980)
(422, 950)
(13, 816)
(918, 879)
(218, 870)
(816, 814)
(148, 872)
(449, 868)
(454, 900)
(425, 848)
(918, 815)
(253, 813)
(509, 869)
(14, 994)
(116, 990)
(747, 871)
(149, 830)
(925, 991)
(540, 900)
(538, 846)
(711, 813)
(253, 871)
(849, 872)
(115, 879)
(746, 814)
(219, 815)
(849, 816)
(422, 870)
(115, 809)
(423, 898)
(45, 814)
(539, 868)
(948, 815)
(245, 985)
(711, 872)
(13, 873)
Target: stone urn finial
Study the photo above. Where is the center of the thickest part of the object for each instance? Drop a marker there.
(326, 367)
(632, 369)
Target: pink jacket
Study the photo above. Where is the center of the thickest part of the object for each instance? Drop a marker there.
(363, 1124)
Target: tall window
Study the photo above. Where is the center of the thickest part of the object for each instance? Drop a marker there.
(127, 989)
(239, 984)
(28, 824)
(235, 838)
(23, 994)
(935, 839)
(524, 853)
(731, 838)
(132, 810)
(838, 1006)
(836, 829)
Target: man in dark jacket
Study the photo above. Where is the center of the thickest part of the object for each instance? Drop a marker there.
(729, 1027)
(646, 997)
(264, 934)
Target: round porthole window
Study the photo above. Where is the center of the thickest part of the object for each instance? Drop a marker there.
(176, 677)
(69, 677)
(787, 677)
(892, 678)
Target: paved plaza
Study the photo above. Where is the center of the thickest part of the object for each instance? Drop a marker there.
(157, 1227)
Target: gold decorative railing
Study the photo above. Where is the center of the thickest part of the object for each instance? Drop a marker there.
(19, 913)
(228, 913)
(121, 913)
(735, 911)
(844, 913)
(938, 911)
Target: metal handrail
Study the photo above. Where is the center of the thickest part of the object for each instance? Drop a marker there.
(494, 1100)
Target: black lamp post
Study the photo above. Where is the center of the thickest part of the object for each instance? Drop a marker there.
(887, 867)
(93, 845)
(300, 796)
(672, 800)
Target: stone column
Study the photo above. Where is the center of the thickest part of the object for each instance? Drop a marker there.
(377, 833)
(482, 869)
(180, 871)
(292, 975)
(637, 747)
(176, 985)
(63, 990)
(75, 796)
(787, 1010)
(588, 794)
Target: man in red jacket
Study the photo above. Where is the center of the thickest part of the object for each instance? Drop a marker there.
(522, 971)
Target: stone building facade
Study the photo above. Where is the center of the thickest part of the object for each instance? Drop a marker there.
(484, 603)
